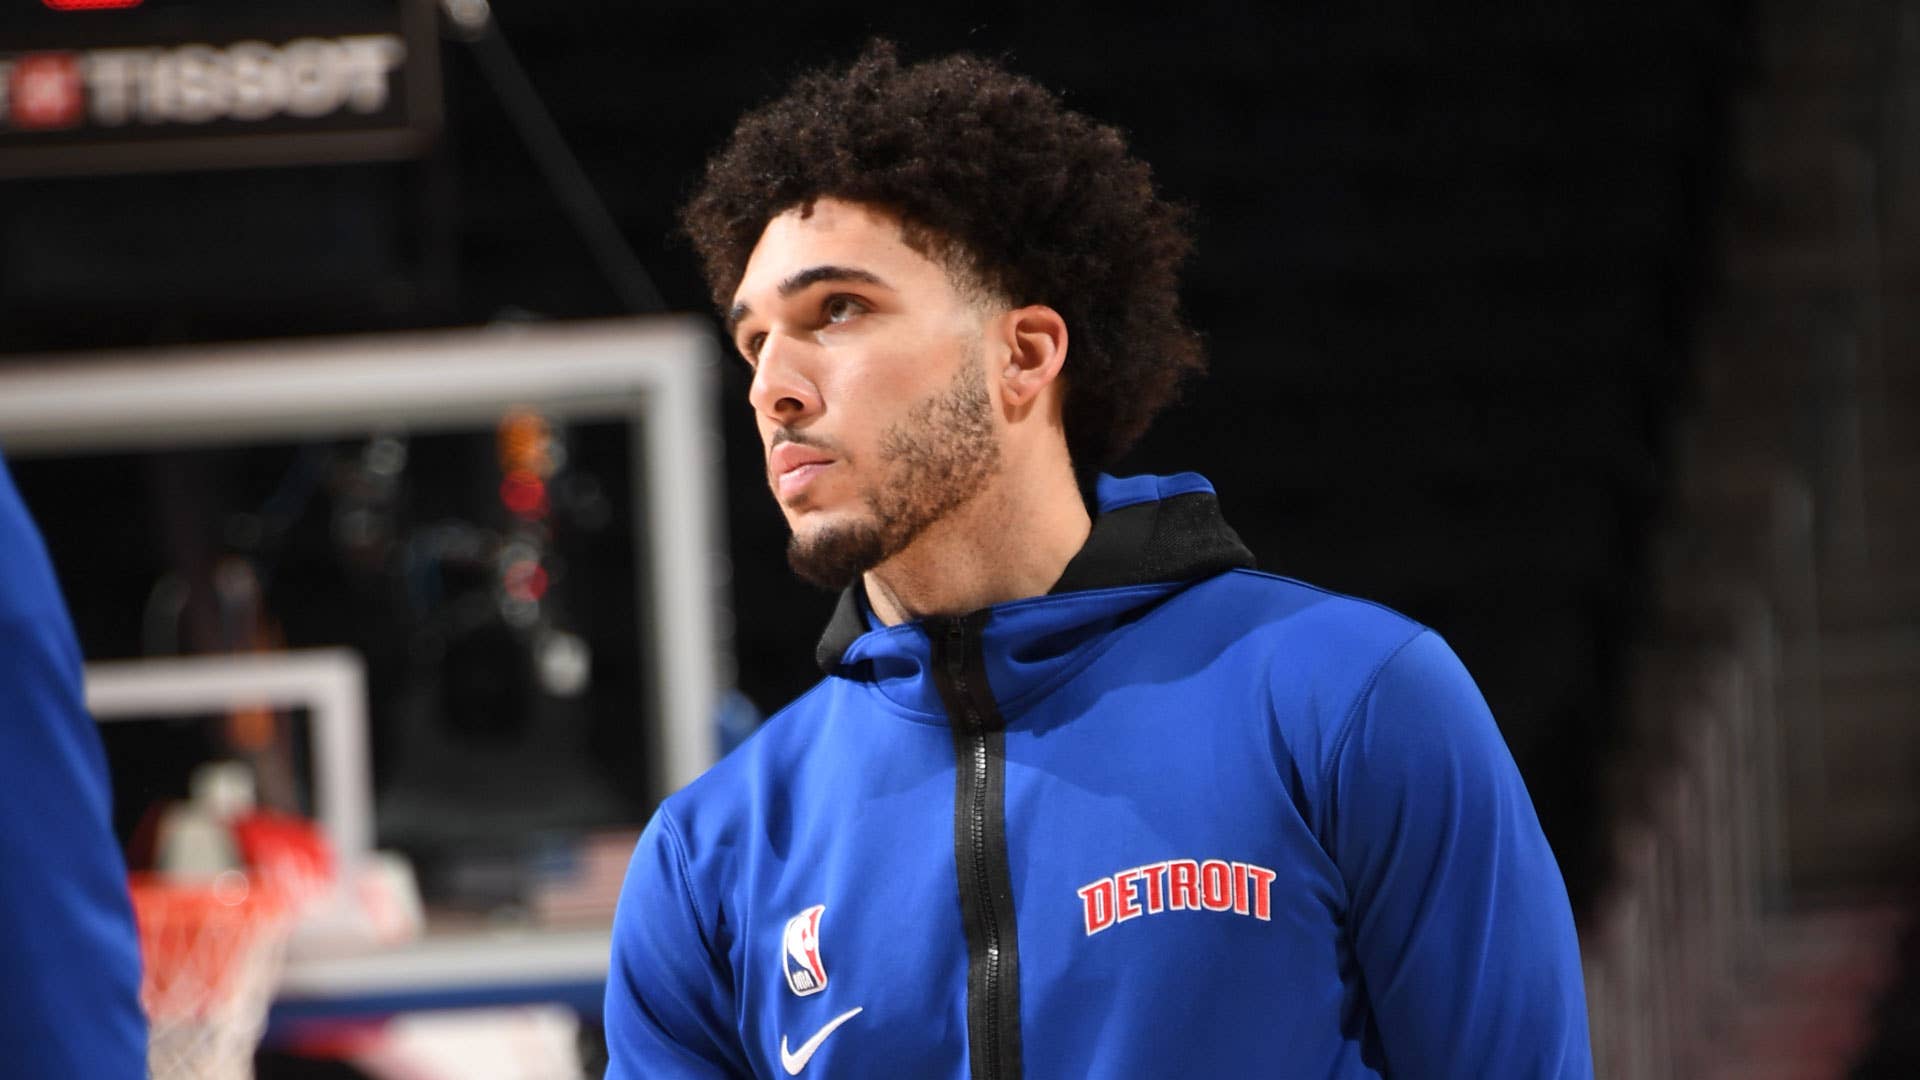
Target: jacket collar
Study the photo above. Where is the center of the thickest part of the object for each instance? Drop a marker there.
(1147, 531)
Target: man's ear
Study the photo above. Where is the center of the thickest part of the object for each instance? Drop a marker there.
(1037, 350)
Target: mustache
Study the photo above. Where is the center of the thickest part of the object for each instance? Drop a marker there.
(801, 438)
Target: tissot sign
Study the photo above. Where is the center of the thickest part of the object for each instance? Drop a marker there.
(190, 85)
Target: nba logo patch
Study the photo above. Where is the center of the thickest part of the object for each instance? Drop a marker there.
(800, 949)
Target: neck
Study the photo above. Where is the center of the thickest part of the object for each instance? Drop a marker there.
(1011, 541)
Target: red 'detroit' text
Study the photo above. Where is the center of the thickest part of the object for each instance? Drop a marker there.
(1178, 885)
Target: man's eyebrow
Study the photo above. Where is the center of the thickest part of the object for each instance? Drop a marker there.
(812, 275)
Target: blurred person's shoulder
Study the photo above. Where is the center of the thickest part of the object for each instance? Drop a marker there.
(27, 587)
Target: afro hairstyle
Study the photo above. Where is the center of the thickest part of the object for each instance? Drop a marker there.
(995, 178)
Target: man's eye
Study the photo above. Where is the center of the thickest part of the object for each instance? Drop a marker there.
(751, 347)
(841, 308)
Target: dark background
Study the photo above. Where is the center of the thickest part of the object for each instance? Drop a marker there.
(1448, 266)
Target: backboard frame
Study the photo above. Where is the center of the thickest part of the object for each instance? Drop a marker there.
(660, 372)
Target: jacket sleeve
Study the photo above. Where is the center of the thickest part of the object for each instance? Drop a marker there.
(669, 1010)
(1458, 913)
(69, 960)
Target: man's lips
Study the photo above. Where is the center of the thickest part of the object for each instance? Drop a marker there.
(794, 465)
(791, 455)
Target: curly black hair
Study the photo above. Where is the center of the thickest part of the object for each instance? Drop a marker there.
(994, 177)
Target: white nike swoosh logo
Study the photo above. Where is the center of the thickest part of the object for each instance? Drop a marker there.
(795, 1061)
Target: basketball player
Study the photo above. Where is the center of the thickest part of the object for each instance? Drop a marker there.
(1082, 794)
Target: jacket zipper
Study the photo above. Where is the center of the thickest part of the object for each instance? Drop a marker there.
(980, 851)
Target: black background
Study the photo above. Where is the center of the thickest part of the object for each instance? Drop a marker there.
(1447, 265)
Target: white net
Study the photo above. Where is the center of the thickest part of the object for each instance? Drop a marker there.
(212, 957)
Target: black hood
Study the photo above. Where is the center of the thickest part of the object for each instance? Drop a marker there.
(1147, 529)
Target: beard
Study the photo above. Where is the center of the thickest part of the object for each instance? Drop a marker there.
(932, 463)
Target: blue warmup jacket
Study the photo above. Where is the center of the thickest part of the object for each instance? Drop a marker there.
(69, 961)
(1174, 819)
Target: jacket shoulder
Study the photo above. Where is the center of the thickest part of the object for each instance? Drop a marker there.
(1332, 628)
(772, 749)
(1314, 654)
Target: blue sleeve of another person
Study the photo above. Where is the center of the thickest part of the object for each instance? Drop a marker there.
(69, 959)
(1459, 915)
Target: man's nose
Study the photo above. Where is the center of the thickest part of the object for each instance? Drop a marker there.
(783, 388)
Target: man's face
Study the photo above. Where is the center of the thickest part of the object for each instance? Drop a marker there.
(870, 386)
